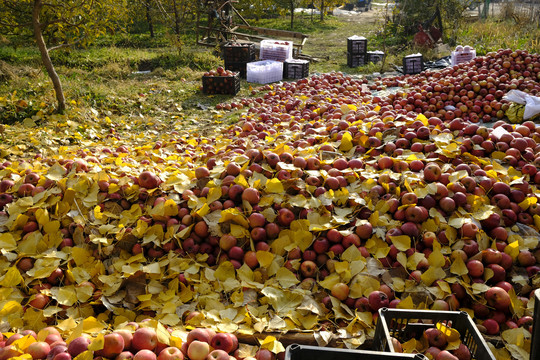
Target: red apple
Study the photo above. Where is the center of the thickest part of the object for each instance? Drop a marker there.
(144, 338)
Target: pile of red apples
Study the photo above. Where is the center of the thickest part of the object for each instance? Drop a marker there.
(130, 342)
(411, 164)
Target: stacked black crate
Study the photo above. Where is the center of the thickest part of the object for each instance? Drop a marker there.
(237, 55)
(356, 51)
(413, 64)
(295, 69)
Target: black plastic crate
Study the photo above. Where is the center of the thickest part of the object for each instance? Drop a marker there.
(413, 64)
(356, 60)
(375, 57)
(239, 52)
(295, 69)
(225, 85)
(305, 352)
(240, 67)
(356, 46)
(406, 324)
(535, 340)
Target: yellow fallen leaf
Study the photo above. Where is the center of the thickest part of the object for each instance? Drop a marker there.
(458, 267)
(432, 274)
(346, 142)
(85, 355)
(12, 278)
(97, 343)
(406, 303)
(225, 271)
(272, 344)
(274, 186)
(401, 242)
(512, 249)
(7, 242)
(265, 258)
(409, 346)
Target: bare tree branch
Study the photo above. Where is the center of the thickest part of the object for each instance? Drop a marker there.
(61, 46)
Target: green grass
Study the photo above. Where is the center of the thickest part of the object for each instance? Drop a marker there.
(491, 35)
(106, 77)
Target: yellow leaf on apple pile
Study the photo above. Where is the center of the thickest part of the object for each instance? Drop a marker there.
(409, 346)
(421, 192)
(453, 345)
(77, 331)
(265, 258)
(499, 353)
(272, 344)
(478, 288)
(488, 274)
(65, 295)
(8, 242)
(283, 301)
(436, 258)
(331, 280)
(434, 213)
(274, 186)
(203, 211)
(97, 343)
(516, 305)
(23, 343)
(163, 335)
(517, 352)
(318, 222)
(185, 294)
(402, 259)
(414, 259)
(458, 267)
(233, 214)
(363, 285)
(286, 278)
(238, 231)
(241, 180)
(225, 271)
(515, 336)
(170, 208)
(525, 204)
(398, 284)
(457, 222)
(351, 254)
(512, 249)
(346, 142)
(85, 355)
(406, 303)
(432, 274)
(213, 194)
(301, 234)
(401, 242)
(12, 278)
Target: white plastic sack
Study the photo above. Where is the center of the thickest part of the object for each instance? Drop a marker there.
(532, 103)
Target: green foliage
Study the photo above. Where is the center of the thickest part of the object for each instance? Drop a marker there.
(16, 108)
(136, 60)
(491, 35)
(409, 14)
(64, 22)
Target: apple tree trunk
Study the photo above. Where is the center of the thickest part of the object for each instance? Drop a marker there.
(149, 18)
(38, 35)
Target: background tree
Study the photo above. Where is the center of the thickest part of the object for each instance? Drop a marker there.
(329, 4)
(63, 23)
(290, 6)
(409, 14)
